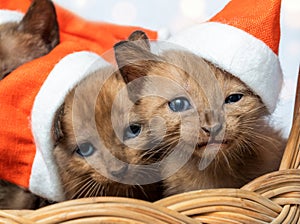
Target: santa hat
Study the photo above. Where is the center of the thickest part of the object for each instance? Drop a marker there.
(242, 39)
(31, 95)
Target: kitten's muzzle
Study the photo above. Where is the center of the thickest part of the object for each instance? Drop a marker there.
(212, 130)
(118, 171)
(211, 122)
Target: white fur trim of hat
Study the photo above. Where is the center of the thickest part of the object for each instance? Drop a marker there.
(228, 42)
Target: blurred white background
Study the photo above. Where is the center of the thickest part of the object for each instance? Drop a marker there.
(175, 15)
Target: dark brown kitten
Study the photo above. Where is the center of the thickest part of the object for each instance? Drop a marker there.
(34, 36)
(208, 129)
(93, 160)
(94, 153)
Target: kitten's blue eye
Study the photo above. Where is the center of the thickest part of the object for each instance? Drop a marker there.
(180, 104)
(85, 149)
(132, 131)
(233, 98)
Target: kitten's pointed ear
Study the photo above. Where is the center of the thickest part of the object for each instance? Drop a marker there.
(41, 20)
(141, 39)
(133, 61)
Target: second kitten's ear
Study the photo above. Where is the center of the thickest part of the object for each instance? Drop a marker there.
(41, 19)
(141, 39)
(133, 61)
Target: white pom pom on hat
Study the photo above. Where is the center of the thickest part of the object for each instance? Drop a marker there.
(242, 39)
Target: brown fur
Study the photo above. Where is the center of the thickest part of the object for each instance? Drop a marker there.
(14, 197)
(34, 36)
(80, 176)
(249, 146)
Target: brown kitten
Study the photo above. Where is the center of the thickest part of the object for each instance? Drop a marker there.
(92, 159)
(208, 129)
(34, 36)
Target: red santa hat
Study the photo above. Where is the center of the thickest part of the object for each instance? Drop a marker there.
(242, 39)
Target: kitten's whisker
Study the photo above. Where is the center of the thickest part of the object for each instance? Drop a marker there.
(74, 183)
(97, 190)
(80, 191)
(165, 149)
(102, 190)
(75, 180)
(90, 189)
(226, 161)
(142, 190)
(83, 189)
(261, 136)
(94, 189)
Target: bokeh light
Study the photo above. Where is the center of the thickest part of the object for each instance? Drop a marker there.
(124, 12)
(192, 8)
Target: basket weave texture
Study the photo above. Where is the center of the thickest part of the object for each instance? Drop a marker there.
(272, 198)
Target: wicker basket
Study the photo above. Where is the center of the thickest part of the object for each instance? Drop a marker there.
(272, 198)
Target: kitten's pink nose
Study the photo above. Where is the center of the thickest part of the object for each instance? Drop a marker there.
(212, 130)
